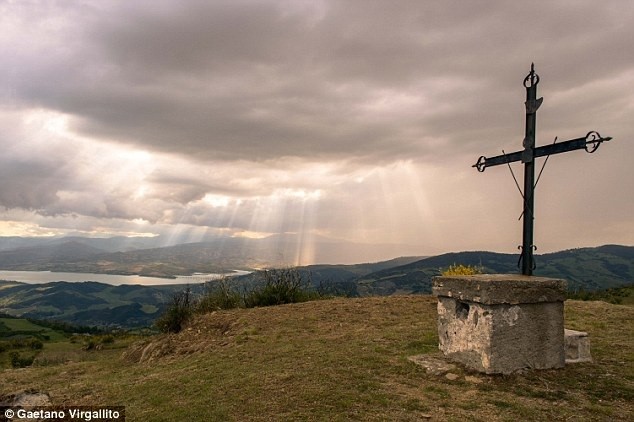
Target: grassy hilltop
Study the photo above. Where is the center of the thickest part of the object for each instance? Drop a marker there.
(336, 359)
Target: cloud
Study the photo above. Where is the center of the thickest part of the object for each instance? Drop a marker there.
(228, 80)
(357, 119)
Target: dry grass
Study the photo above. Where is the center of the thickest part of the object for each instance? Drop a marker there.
(339, 359)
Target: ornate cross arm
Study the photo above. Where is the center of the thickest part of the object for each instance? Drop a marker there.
(590, 143)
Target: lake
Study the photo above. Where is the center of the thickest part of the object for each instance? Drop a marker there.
(39, 277)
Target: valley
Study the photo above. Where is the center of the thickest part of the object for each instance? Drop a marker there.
(129, 306)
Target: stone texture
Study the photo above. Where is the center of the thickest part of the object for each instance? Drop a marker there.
(492, 289)
(26, 399)
(577, 346)
(501, 323)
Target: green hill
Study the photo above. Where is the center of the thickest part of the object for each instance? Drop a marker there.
(21, 340)
(87, 303)
(14, 328)
(585, 269)
(339, 359)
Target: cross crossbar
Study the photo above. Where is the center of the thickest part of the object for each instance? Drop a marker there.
(590, 143)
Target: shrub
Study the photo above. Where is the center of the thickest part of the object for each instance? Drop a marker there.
(19, 343)
(17, 361)
(107, 339)
(35, 344)
(89, 344)
(281, 286)
(613, 295)
(267, 288)
(460, 269)
(177, 314)
(219, 295)
(96, 342)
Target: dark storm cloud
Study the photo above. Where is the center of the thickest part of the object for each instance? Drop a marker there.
(28, 185)
(256, 80)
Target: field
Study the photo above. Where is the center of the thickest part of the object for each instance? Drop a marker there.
(42, 346)
(338, 359)
(19, 326)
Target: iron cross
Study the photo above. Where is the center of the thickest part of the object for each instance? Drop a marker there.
(527, 156)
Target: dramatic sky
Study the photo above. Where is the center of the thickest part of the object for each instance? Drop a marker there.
(356, 120)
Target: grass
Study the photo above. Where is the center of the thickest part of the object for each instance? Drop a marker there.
(11, 326)
(338, 359)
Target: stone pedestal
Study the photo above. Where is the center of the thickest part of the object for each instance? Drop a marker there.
(500, 323)
(577, 346)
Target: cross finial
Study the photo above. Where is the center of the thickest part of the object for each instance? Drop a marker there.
(532, 78)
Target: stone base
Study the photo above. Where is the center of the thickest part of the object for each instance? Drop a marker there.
(501, 323)
(577, 345)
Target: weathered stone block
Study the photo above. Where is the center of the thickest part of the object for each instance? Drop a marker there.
(577, 345)
(501, 323)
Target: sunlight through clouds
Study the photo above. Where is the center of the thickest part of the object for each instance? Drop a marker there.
(314, 120)
(216, 201)
(19, 228)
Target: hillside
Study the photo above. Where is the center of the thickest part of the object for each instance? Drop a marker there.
(87, 303)
(75, 256)
(105, 244)
(584, 268)
(36, 256)
(339, 359)
(11, 328)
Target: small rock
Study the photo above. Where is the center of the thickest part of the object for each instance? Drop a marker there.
(452, 377)
(26, 398)
(474, 380)
(433, 365)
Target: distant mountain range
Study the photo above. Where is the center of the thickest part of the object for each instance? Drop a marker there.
(99, 304)
(105, 244)
(143, 256)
